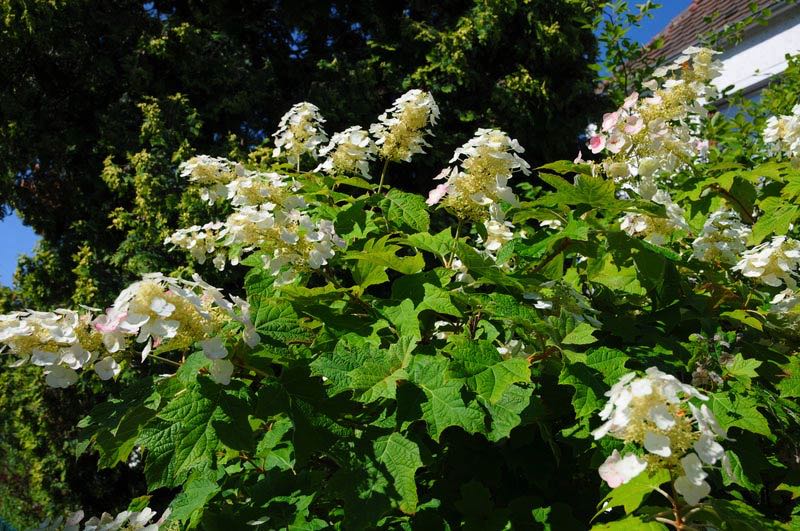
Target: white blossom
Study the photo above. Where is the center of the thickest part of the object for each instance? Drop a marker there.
(692, 485)
(299, 132)
(774, 262)
(485, 164)
(723, 239)
(655, 412)
(656, 230)
(653, 137)
(498, 230)
(400, 131)
(107, 368)
(211, 174)
(618, 470)
(214, 348)
(199, 241)
(124, 521)
(782, 134)
(349, 151)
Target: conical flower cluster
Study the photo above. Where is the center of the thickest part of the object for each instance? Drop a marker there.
(299, 132)
(774, 262)
(400, 131)
(655, 413)
(782, 134)
(349, 151)
(268, 215)
(652, 137)
(723, 239)
(157, 311)
(485, 164)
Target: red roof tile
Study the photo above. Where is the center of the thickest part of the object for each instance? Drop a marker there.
(684, 30)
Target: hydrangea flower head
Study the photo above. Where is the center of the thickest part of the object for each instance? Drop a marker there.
(60, 342)
(656, 413)
(211, 174)
(774, 262)
(486, 163)
(653, 136)
(782, 134)
(299, 132)
(723, 238)
(656, 230)
(348, 152)
(400, 131)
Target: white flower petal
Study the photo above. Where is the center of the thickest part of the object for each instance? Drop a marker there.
(657, 444)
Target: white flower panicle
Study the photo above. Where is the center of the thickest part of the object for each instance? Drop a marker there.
(292, 240)
(171, 313)
(200, 241)
(124, 521)
(400, 131)
(255, 188)
(299, 132)
(60, 342)
(654, 136)
(212, 175)
(723, 240)
(301, 244)
(655, 412)
(267, 216)
(486, 163)
(774, 262)
(656, 230)
(158, 311)
(348, 152)
(222, 180)
(782, 134)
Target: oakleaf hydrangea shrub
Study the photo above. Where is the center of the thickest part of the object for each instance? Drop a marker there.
(614, 348)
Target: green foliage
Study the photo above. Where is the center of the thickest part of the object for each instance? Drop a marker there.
(104, 99)
(415, 380)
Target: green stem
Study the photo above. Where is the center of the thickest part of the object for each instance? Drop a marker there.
(449, 261)
(245, 366)
(736, 203)
(358, 300)
(383, 174)
(165, 360)
(560, 248)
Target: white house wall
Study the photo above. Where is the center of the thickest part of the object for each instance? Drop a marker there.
(762, 53)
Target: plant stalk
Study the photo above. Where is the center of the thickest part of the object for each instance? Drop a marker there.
(383, 174)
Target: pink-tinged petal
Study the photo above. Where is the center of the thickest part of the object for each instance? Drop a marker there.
(442, 174)
(610, 119)
(618, 470)
(436, 195)
(634, 124)
(615, 143)
(631, 100)
(597, 143)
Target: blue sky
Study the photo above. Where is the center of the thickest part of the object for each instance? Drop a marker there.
(17, 239)
(669, 9)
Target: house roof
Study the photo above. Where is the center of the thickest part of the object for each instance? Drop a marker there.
(702, 16)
